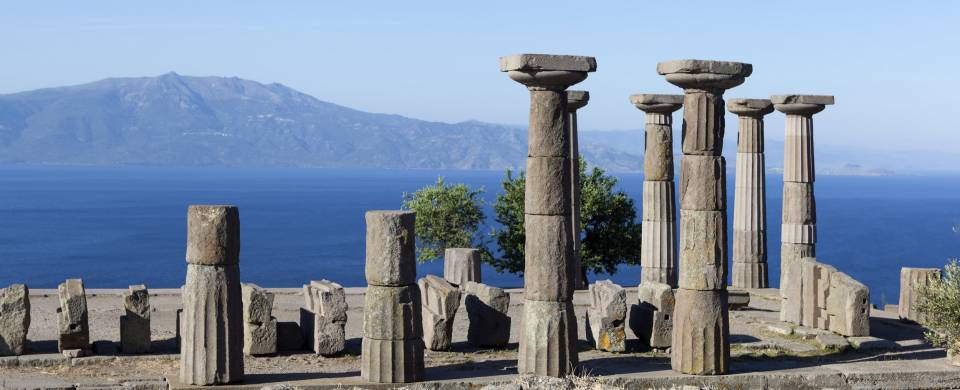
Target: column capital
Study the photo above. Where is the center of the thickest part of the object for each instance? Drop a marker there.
(704, 74)
(662, 104)
(801, 104)
(547, 71)
(750, 107)
(577, 99)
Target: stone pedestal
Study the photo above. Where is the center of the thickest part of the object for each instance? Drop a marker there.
(14, 319)
(549, 250)
(72, 316)
(487, 308)
(700, 323)
(658, 248)
(606, 317)
(441, 299)
(392, 345)
(461, 265)
(323, 320)
(910, 280)
(575, 101)
(211, 325)
(798, 231)
(135, 322)
(750, 205)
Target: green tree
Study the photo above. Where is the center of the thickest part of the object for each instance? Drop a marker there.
(448, 216)
(938, 303)
(609, 228)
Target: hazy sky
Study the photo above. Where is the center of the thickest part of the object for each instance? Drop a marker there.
(893, 66)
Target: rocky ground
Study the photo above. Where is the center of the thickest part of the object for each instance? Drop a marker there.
(766, 352)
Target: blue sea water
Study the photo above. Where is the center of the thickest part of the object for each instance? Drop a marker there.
(116, 226)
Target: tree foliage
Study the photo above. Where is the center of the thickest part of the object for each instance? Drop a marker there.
(938, 303)
(610, 232)
(448, 216)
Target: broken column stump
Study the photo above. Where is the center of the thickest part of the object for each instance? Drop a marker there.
(607, 316)
(135, 322)
(14, 319)
(441, 299)
(72, 316)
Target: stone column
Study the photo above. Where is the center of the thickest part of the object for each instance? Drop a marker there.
(461, 265)
(658, 248)
(392, 345)
(211, 326)
(750, 205)
(548, 333)
(798, 231)
(575, 101)
(701, 327)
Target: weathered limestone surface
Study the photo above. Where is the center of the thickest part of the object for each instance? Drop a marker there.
(848, 305)
(14, 319)
(324, 318)
(652, 318)
(700, 342)
(607, 316)
(259, 326)
(211, 325)
(461, 265)
(74, 328)
(822, 297)
(135, 322)
(910, 280)
(658, 249)
(441, 299)
(487, 308)
(392, 344)
(750, 210)
(551, 329)
(575, 101)
(550, 262)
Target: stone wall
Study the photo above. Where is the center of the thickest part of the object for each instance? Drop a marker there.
(826, 298)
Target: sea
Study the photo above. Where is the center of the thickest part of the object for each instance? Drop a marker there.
(118, 226)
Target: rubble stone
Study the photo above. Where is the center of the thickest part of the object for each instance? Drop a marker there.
(135, 322)
(607, 316)
(441, 299)
(74, 328)
(487, 308)
(14, 319)
(325, 317)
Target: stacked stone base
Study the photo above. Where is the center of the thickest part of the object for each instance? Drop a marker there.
(549, 329)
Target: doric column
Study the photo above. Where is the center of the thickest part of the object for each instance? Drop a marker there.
(749, 201)
(575, 101)
(658, 248)
(211, 334)
(701, 325)
(798, 231)
(549, 333)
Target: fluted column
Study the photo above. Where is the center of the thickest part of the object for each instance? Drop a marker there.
(575, 101)
(658, 247)
(749, 201)
(798, 231)
(548, 333)
(701, 327)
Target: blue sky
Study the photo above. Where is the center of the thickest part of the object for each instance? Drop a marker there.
(893, 66)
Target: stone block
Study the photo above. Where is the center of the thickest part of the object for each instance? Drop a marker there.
(658, 153)
(260, 338)
(257, 304)
(703, 245)
(606, 317)
(391, 361)
(547, 62)
(831, 341)
(327, 299)
(848, 304)
(461, 265)
(74, 328)
(749, 275)
(135, 322)
(329, 338)
(738, 299)
(750, 107)
(289, 336)
(815, 287)
(487, 308)
(548, 339)
(652, 319)
(548, 268)
(391, 258)
(14, 319)
(211, 326)
(802, 99)
(701, 331)
(547, 186)
(658, 201)
(791, 289)
(392, 313)
(702, 183)
(703, 125)
(441, 299)
(213, 235)
(869, 343)
(325, 316)
(912, 279)
(799, 204)
(704, 67)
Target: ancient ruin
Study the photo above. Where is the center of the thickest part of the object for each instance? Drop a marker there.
(74, 327)
(607, 316)
(14, 319)
(487, 308)
(461, 265)
(700, 323)
(211, 326)
(658, 247)
(575, 101)
(324, 317)
(652, 318)
(135, 322)
(392, 346)
(259, 326)
(750, 202)
(910, 280)
(441, 299)
(549, 333)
